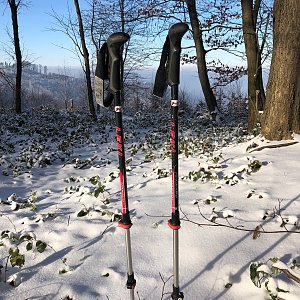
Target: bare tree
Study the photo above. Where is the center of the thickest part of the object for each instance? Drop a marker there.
(14, 8)
(201, 60)
(282, 111)
(85, 54)
(256, 93)
(215, 25)
(70, 27)
(6, 79)
(108, 16)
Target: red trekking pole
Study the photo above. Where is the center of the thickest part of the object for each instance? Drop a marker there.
(176, 33)
(115, 46)
(168, 74)
(109, 67)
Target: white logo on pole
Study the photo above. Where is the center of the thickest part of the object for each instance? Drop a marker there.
(174, 102)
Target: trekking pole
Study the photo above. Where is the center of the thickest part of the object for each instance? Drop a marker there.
(176, 32)
(115, 44)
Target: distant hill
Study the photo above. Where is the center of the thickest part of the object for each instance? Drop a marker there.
(46, 85)
(65, 86)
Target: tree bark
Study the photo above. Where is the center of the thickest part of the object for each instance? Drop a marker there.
(201, 61)
(18, 54)
(86, 62)
(256, 93)
(282, 112)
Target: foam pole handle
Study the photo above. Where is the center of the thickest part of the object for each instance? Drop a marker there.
(115, 44)
(176, 33)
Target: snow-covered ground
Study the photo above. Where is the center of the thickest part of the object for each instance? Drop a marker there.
(240, 207)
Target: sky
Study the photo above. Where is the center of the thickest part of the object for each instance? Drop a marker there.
(42, 45)
(46, 47)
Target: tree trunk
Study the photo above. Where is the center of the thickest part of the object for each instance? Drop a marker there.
(256, 93)
(18, 86)
(201, 61)
(86, 62)
(282, 112)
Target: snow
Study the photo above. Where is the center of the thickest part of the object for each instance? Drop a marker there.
(51, 154)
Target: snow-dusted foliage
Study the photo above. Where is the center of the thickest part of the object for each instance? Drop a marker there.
(60, 206)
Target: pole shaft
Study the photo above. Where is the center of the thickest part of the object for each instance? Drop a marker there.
(174, 147)
(174, 222)
(128, 252)
(176, 258)
(121, 154)
(130, 281)
(115, 44)
(126, 221)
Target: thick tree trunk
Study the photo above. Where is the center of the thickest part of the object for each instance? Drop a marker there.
(256, 94)
(18, 86)
(282, 112)
(86, 62)
(201, 61)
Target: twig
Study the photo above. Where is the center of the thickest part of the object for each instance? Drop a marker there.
(102, 233)
(164, 285)
(6, 269)
(216, 224)
(89, 161)
(11, 223)
(156, 216)
(259, 148)
(289, 275)
(278, 213)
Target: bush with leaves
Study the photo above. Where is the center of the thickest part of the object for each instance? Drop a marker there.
(14, 244)
(267, 275)
(15, 202)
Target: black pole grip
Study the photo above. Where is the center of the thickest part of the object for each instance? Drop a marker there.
(176, 33)
(115, 44)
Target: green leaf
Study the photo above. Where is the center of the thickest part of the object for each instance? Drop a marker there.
(96, 193)
(40, 246)
(281, 290)
(15, 238)
(116, 217)
(15, 258)
(94, 180)
(62, 271)
(108, 213)
(25, 237)
(83, 213)
(254, 274)
(99, 191)
(106, 201)
(255, 165)
(274, 259)
(213, 219)
(210, 200)
(4, 234)
(29, 246)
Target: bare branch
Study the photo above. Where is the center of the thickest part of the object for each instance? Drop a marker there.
(239, 228)
(289, 274)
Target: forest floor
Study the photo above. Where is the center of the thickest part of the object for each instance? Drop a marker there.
(60, 202)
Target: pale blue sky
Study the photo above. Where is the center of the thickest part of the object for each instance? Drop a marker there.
(42, 45)
(35, 38)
